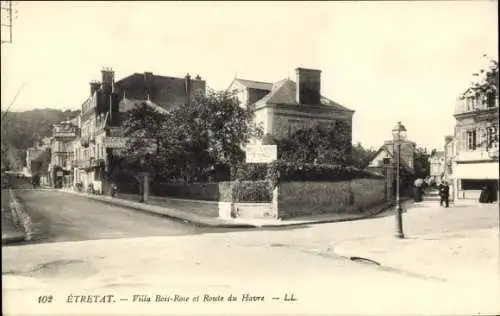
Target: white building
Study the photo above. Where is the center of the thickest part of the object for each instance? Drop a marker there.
(437, 166)
(286, 106)
(475, 161)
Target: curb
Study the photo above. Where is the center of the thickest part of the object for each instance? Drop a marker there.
(201, 222)
(20, 217)
(13, 239)
(208, 223)
(380, 210)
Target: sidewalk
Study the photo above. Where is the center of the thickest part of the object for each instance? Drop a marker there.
(230, 223)
(468, 256)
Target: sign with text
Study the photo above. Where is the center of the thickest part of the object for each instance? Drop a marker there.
(261, 153)
(115, 142)
(64, 134)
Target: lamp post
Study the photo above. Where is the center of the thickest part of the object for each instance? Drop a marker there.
(398, 133)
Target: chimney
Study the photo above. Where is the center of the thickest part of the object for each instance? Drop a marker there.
(188, 88)
(94, 86)
(308, 86)
(108, 78)
(448, 139)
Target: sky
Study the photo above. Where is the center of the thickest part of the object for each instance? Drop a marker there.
(389, 61)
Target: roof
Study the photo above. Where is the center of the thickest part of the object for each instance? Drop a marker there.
(127, 104)
(164, 91)
(282, 92)
(389, 149)
(285, 92)
(251, 84)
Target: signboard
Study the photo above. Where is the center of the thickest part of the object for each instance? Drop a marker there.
(64, 134)
(59, 173)
(261, 153)
(115, 142)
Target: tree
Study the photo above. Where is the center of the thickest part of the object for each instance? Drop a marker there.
(21, 130)
(189, 141)
(361, 157)
(316, 145)
(422, 166)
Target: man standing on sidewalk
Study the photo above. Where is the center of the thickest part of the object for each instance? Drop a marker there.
(444, 193)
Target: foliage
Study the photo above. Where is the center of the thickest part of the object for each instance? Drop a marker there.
(20, 130)
(422, 165)
(285, 171)
(361, 157)
(316, 145)
(191, 141)
(489, 83)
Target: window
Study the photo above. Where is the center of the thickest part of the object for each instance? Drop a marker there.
(492, 138)
(468, 103)
(471, 140)
(386, 161)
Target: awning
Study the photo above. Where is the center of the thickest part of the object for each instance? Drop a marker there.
(483, 170)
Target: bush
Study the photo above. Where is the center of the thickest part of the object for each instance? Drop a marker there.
(284, 171)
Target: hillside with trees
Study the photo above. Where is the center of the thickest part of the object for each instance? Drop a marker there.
(21, 129)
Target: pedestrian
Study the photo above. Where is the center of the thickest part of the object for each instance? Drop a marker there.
(485, 195)
(444, 193)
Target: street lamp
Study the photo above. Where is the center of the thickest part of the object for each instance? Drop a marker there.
(399, 134)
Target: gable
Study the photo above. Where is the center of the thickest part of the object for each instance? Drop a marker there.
(378, 160)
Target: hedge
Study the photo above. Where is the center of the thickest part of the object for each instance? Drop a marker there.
(284, 171)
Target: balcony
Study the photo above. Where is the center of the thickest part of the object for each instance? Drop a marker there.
(477, 155)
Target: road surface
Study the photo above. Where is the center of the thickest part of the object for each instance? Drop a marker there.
(264, 265)
(59, 216)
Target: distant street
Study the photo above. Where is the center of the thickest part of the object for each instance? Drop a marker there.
(59, 216)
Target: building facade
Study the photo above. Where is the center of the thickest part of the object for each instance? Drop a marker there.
(437, 166)
(385, 161)
(62, 154)
(285, 107)
(104, 111)
(475, 144)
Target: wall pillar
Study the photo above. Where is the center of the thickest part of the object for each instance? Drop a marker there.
(275, 202)
(146, 188)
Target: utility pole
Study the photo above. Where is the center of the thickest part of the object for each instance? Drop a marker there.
(7, 17)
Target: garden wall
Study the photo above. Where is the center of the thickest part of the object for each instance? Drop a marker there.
(312, 198)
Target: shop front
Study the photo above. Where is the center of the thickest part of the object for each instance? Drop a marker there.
(471, 178)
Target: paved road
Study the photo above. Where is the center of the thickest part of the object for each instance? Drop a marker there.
(58, 216)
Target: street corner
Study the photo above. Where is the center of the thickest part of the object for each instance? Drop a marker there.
(380, 251)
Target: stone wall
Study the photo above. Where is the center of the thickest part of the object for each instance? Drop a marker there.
(312, 198)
